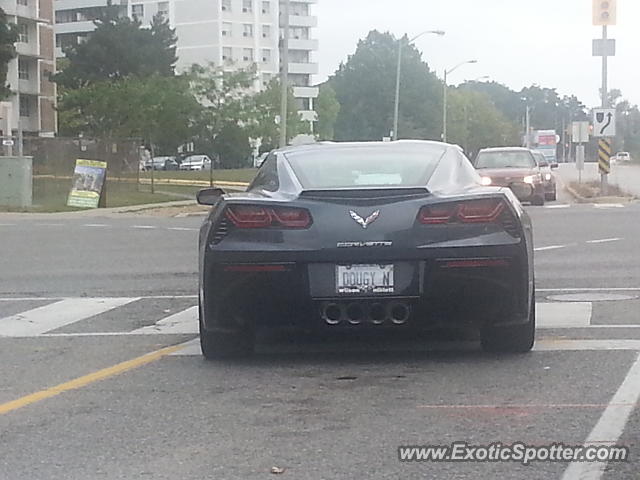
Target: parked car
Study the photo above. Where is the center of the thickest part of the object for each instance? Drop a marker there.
(622, 157)
(513, 167)
(196, 162)
(161, 163)
(333, 237)
(548, 177)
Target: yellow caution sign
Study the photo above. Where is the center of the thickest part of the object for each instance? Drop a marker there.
(604, 155)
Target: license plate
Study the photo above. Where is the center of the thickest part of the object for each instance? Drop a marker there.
(364, 279)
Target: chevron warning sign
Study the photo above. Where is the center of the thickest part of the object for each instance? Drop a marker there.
(604, 155)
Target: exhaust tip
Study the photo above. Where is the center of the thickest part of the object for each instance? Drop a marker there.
(377, 314)
(399, 312)
(355, 313)
(332, 313)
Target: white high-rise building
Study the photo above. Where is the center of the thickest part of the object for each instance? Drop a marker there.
(232, 33)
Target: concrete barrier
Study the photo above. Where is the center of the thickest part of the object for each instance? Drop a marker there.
(16, 181)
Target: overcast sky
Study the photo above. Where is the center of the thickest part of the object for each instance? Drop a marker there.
(516, 42)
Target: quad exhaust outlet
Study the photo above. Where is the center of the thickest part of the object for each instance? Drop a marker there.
(395, 312)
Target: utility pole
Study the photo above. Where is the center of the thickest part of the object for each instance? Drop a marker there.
(604, 177)
(284, 75)
(527, 127)
(445, 96)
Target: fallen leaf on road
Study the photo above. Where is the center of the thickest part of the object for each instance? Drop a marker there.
(277, 470)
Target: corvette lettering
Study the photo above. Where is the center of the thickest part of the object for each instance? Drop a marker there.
(364, 244)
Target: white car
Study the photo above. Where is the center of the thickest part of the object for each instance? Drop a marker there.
(196, 162)
(623, 157)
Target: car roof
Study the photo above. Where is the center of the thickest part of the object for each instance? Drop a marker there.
(398, 146)
(506, 149)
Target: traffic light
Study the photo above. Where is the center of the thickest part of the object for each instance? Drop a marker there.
(604, 12)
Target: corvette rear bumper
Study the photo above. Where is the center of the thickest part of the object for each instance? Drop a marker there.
(440, 290)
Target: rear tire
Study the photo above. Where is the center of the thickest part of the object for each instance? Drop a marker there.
(513, 339)
(551, 197)
(220, 345)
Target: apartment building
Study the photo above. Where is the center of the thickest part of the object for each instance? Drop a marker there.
(74, 20)
(31, 108)
(232, 33)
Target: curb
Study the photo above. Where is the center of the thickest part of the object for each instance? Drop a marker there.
(596, 200)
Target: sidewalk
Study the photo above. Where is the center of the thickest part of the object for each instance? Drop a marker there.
(627, 177)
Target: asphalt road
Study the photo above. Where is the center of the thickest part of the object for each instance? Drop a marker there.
(88, 389)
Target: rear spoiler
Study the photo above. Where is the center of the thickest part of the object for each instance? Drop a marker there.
(365, 193)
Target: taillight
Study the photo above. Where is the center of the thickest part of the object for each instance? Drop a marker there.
(253, 216)
(472, 211)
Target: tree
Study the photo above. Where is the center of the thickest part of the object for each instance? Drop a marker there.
(232, 145)
(365, 89)
(158, 109)
(8, 38)
(120, 47)
(328, 108)
(266, 112)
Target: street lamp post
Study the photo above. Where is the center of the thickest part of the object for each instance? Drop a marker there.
(396, 112)
(445, 95)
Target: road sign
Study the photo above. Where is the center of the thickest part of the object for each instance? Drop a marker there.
(604, 122)
(604, 47)
(580, 132)
(604, 155)
(604, 12)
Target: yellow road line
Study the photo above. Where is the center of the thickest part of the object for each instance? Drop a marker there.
(87, 379)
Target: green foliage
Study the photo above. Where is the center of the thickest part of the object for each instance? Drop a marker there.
(328, 109)
(365, 89)
(118, 48)
(266, 111)
(232, 146)
(8, 38)
(158, 109)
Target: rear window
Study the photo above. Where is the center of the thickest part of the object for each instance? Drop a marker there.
(505, 160)
(361, 167)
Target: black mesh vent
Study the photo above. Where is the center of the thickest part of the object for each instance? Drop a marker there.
(221, 231)
(510, 224)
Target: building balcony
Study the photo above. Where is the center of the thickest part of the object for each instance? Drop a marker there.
(78, 4)
(27, 49)
(306, 92)
(303, 68)
(74, 27)
(305, 1)
(303, 21)
(303, 44)
(28, 87)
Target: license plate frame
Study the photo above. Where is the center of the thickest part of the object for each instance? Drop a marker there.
(365, 279)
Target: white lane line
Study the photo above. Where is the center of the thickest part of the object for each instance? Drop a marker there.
(564, 205)
(550, 247)
(604, 240)
(50, 224)
(586, 345)
(7, 224)
(95, 225)
(185, 322)
(611, 425)
(144, 227)
(563, 315)
(183, 229)
(608, 205)
(64, 312)
(62, 297)
(590, 289)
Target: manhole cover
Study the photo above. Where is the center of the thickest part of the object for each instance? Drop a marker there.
(591, 297)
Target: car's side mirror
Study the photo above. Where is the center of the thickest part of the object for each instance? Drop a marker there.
(554, 165)
(543, 164)
(209, 196)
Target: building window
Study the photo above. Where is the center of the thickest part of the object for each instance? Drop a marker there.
(247, 30)
(23, 33)
(247, 6)
(23, 69)
(227, 29)
(25, 106)
(266, 55)
(24, 3)
(266, 8)
(266, 79)
(163, 9)
(227, 54)
(247, 54)
(298, 33)
(226, 5)
(266, 31)
(137, 10)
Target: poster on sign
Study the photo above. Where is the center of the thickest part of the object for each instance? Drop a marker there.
(88, 184)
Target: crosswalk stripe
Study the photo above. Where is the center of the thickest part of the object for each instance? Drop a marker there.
(56, 315)
(185, 322)
(563, 315)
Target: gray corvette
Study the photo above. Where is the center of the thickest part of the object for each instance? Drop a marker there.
(365, 236)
